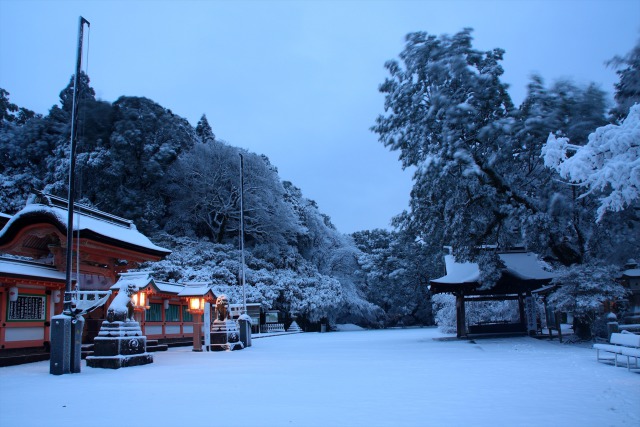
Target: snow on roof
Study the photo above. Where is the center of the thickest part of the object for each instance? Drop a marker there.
(123, 230)
(465, 272)
(195, 290)
(30, 269)
(633, 272)
(140, 279)
(523, 265)
(169, 288)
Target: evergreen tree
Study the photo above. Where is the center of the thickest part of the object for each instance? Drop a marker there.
(628, 87)
(448, 115)
(204, 131)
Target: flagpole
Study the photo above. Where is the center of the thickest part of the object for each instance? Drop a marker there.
(72, 167)
(244, 293)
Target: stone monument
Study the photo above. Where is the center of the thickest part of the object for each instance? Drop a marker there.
(120, 342)
(225, 334)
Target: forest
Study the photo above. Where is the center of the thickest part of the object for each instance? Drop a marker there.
(488, 174)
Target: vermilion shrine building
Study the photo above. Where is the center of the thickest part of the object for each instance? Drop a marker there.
(32, 279)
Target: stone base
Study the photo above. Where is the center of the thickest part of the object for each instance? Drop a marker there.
(227, 346)
(119, 344)
(225, 335)
(116, 362)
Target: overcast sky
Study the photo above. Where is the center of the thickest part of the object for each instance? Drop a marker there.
(298, 80)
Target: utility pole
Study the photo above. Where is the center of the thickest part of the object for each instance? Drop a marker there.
(244, 294)
(66, 328)
(72, 166)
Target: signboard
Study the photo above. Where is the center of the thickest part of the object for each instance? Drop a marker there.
(28, 308)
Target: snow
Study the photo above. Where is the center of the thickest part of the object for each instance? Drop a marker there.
(610, 161)
(139, 279)
(524, 265)
(633, 272)
(459, 272)
(25, 268)
(399, 377)
(349, 327)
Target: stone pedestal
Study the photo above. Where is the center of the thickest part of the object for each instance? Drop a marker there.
(225, 335)
(119, 344)
(245, 330)
(66, 344)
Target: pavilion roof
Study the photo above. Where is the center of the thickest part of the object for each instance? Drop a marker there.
(523, 271)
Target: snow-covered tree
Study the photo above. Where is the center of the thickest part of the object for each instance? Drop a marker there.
(609, 164)
(628, 87)
(204, 131)
(449, 115)
(204, 188)
(583, 291)
(395, 269)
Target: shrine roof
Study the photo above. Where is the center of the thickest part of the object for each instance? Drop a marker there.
(632, 272)
(19, 268)
(143, 281)
(140, 279)
(196, 290)
(90, 223)
(4, 218)
(169, 288)
(523, 267)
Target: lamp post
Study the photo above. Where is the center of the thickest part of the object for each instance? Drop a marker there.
(196, 308)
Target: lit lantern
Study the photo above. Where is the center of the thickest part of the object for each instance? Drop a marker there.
(196, 308)
(140, 300)
(196, 305)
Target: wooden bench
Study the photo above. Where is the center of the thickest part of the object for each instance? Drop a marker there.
(623, 344)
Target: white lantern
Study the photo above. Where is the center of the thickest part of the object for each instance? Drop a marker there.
(166, 304)
(13, 294)
(56, 296)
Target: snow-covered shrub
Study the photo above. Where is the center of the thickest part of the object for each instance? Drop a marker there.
(444, 306)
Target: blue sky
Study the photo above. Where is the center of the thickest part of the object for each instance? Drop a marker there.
(297, 80)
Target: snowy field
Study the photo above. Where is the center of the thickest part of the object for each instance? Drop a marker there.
(400, 377)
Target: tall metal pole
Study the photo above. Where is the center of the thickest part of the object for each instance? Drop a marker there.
(72, 165)
(244, 293)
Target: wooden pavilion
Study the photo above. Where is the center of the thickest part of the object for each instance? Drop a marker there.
(521, 276)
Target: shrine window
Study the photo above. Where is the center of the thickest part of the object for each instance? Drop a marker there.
(173, 313)
(154, 313)
(186, 316)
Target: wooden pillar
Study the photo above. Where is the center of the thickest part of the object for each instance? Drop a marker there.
(523, 315)
(461, 324)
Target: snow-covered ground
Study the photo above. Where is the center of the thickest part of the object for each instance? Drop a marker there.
(400, 377)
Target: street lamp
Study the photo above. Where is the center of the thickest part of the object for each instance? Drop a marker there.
(196, 308)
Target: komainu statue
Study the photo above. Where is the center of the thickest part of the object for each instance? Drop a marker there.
(222, 308)
(121, 308)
